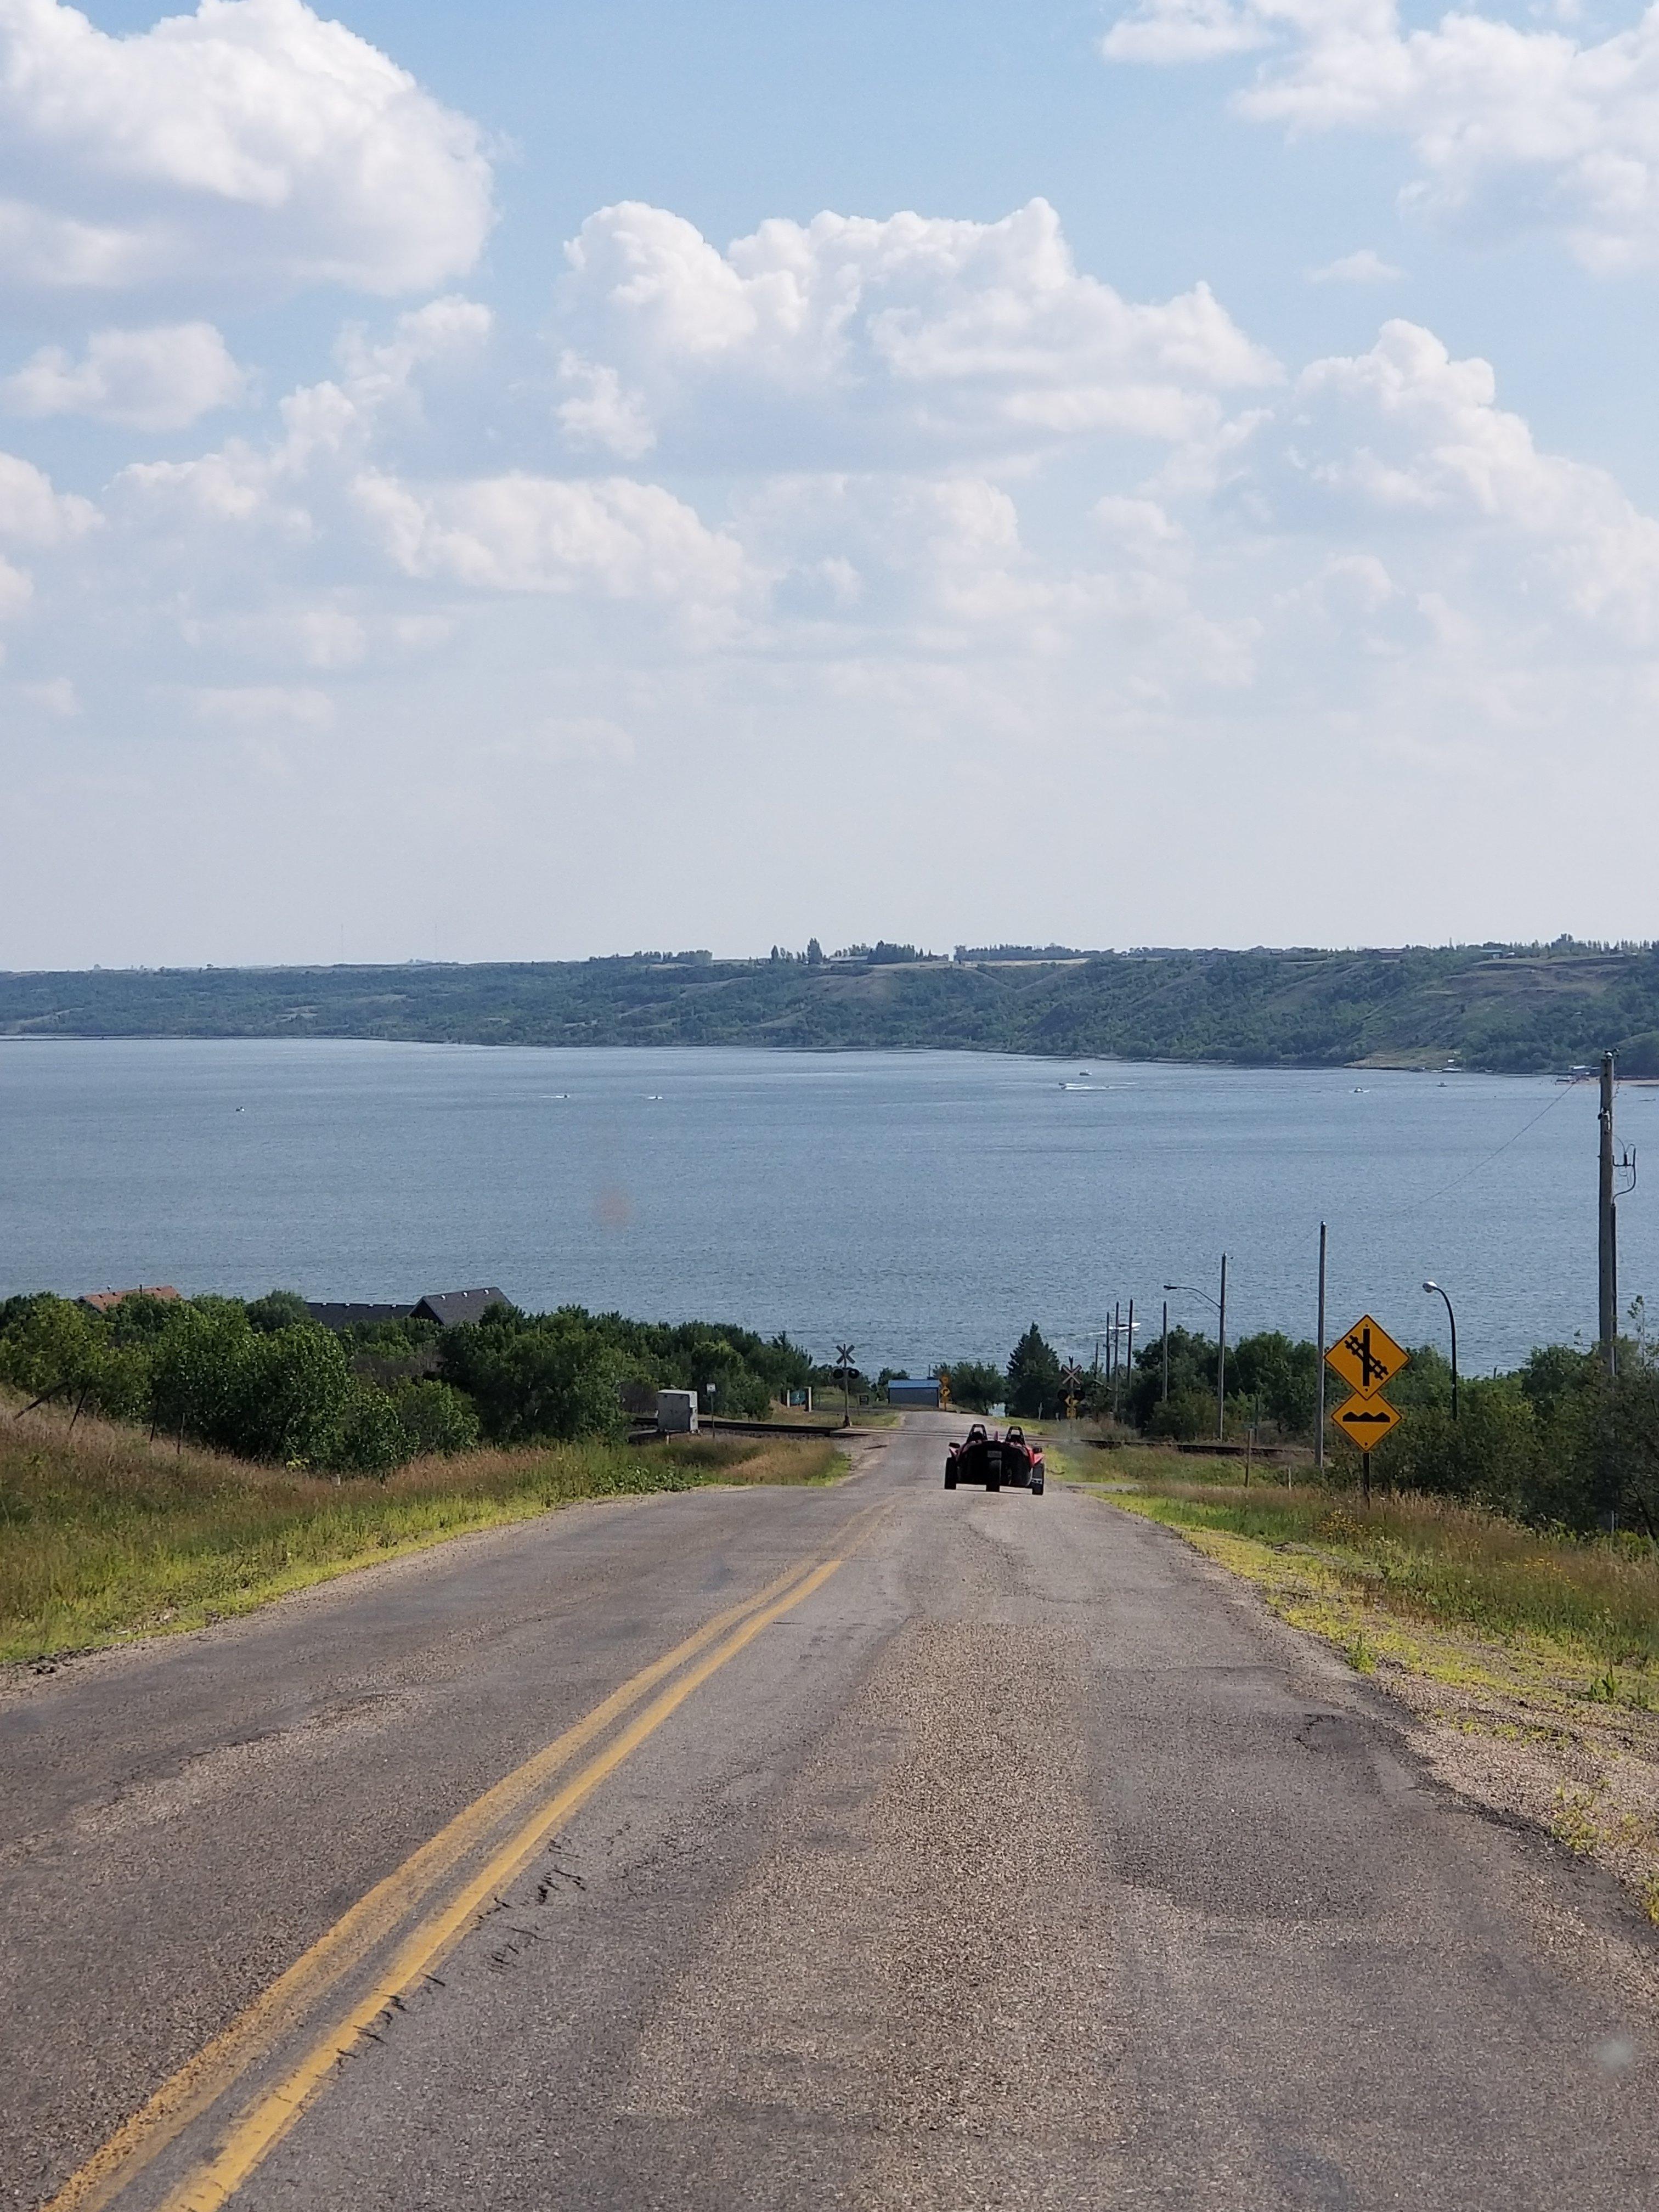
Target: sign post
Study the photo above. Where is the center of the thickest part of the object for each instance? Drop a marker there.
(1071, 1382)
(1366, 1356)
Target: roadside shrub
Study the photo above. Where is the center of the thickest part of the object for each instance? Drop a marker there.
(436, 1417)
(1183, 1417)
(1493, 1455)
(369, 1435)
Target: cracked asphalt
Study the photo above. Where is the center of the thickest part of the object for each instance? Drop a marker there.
(1023, 1862)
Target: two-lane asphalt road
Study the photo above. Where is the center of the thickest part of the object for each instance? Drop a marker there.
(865, 1846)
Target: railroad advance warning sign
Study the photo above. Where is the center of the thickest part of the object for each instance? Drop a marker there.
(1366, 1356)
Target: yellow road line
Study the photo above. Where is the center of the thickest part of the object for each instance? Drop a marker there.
(257, 2134)
(204, 2078)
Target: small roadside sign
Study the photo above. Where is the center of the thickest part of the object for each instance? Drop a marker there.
(1366, 1356)
(1366, 1421)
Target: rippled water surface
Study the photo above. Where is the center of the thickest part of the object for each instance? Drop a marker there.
(921, 1204)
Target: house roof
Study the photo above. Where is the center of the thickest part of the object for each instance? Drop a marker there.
(336, 1314)
(450, 1307)
(107, 1300)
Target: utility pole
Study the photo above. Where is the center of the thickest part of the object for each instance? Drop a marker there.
(1129, 1340)
(1221, 1362)
(1608, 1241)
(1117, 1358)
(1319, 1417)
(1165, 1397)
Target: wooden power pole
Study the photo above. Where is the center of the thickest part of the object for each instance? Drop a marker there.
(1607, 1240)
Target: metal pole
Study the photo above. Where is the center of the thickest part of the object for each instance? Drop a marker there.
(1130, 1340)
(1117, 1358)
(1319, 1420)
(1221, 1362)
(1607, 1240)
(1166, 1352)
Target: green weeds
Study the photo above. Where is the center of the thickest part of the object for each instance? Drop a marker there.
(104, 1536)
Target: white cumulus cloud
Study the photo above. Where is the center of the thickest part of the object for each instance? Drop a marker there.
(251, 143)
(519, 533)
(849, 334)
(164, 379)
(1406, 441)
(33, 513)
(1524, 126)
(1365, 266)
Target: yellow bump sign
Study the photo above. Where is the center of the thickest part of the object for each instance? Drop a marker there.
(1366, 1421)
(1366, 1356)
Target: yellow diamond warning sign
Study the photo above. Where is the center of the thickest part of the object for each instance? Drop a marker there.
(1366, 1356)
(1366, 1421)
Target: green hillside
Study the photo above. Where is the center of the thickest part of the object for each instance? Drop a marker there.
(1514, 1008)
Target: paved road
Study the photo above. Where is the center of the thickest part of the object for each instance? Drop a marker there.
(868, 1846)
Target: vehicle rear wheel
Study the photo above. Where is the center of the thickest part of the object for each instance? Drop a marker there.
(949, 1478)
(993, 1482)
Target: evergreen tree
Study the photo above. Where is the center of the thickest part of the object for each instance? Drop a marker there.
(1033, 1377)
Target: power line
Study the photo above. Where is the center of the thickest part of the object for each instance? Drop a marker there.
(1571, 1085)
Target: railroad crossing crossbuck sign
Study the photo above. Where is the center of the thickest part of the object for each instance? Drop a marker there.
(1366, 1356)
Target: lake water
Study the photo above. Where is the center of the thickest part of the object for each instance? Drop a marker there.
(921, 1205)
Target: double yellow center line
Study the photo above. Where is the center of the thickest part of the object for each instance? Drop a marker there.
(520, 1799)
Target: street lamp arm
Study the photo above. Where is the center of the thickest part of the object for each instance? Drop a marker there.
(1452, 1322)
(1193, 1291)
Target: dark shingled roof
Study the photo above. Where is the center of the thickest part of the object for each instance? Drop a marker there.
(450, 1307)
(332, 1314)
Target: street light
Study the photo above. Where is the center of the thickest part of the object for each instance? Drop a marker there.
(1220, 1306)
(1436, 1289)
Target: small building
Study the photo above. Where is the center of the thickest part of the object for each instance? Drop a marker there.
(449, 1309)
(103, 1301)
(677, 1413)
(903, 1392)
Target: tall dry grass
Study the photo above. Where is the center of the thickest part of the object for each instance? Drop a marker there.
(103, 1535)
(1450, 1562)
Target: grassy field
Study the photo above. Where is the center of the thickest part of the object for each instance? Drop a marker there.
(1427, 1560)
(104, 1536)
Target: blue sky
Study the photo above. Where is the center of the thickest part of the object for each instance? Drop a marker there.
(535, 481)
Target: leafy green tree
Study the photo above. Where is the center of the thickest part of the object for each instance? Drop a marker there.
(291, 1394)
(554, 1377)
(976, 1386)
(1033, 1377)
(278, 1309)
(54, 1349)
(1192, 1374)
(1280, 1376)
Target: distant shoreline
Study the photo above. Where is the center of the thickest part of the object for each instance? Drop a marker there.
(1490, 1010)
